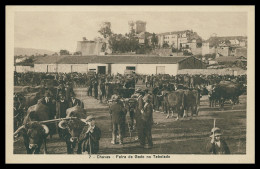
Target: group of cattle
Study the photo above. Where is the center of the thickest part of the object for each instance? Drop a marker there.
(178, 94)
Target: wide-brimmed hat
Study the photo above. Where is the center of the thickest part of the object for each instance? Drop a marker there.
(215, 132)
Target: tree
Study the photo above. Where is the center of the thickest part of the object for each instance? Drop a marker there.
(103, 48)
(105, 29)
(154, 40)
(77, 53)
(64, 52)
(165, 45)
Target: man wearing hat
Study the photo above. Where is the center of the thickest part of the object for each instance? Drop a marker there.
(218, 144)
(61, 106)
(60, 90)
(139, 108)
(118, 113)
(50, 103)
(146, 123)
(74, 101)
(68, 90)
(90, 143)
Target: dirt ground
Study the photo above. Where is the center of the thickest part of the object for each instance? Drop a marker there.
(185, 136)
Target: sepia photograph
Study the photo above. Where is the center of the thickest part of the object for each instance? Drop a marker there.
(130, 84)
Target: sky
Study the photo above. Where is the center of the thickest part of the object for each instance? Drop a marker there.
(61, 30)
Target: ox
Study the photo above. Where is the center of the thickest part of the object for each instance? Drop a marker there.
(175, 102)
(34, 133)
(191, 101)
(227, 91)
(39, 112)
(73, 129)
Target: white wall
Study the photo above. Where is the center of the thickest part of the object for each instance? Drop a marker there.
(64, 68)
(40, 67)
(144, 68)
(149, 69)
(24, 69)
(52, 67)
(81, 68)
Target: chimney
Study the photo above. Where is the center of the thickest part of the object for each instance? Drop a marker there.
(84, 38)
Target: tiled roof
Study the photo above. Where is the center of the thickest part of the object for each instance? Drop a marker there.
(110, 59)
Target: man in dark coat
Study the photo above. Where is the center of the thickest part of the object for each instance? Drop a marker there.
(74, 101)
(95, 86)
(68, 90)
(146, 122)
(139, 108)
(50, 103)
(90, 143)
(61, 106)
(90, 86)
(118, 113)
(218, 145)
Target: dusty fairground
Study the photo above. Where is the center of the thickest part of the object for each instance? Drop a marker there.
(169, 136)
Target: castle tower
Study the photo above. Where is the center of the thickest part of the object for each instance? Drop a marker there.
(140, 26)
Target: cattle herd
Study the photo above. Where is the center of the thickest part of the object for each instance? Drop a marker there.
(172, 94)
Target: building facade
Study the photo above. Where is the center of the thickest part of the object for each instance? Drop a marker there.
(178, 39)
(119, 64)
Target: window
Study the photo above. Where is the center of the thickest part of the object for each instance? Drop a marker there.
(130, 67)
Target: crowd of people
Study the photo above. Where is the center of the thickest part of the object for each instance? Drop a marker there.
(99, 87)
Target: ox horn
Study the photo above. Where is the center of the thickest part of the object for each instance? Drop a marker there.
(61, 124)
(18, 130)
(46, 129)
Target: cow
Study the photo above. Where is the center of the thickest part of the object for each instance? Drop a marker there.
(73, 129)
(227, 90)
(33, 132)
(39, 112)
(175, 102)
(34, 135)
(191, 101)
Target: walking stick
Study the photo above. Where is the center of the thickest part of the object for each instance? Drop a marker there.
(90, 149)
(130, 131)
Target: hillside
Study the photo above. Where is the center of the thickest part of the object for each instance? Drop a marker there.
(30, 51)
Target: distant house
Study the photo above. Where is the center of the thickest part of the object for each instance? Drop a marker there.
(222, 50)
(113, 64)
(234, 42)
(177, 39)
(241, 52)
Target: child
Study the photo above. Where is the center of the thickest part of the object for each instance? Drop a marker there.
(92, 137)
(218, 144)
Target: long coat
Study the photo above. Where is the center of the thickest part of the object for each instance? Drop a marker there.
(147, 115)
(91, 141)
(61, 108)
(51, 105)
